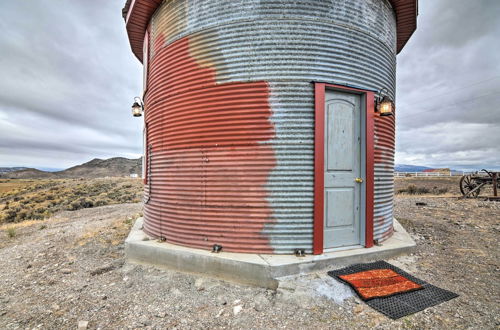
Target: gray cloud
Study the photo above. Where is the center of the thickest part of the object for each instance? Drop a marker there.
(449, 87)
(68, 79)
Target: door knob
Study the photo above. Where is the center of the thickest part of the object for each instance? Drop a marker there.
(358, 180)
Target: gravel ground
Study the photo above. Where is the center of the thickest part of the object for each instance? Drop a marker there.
(71, 268)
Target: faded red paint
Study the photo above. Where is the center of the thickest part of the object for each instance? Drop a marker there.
(385, 132)
(387, 234)
(209, 166)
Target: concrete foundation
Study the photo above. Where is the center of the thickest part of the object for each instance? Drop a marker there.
(254, 269)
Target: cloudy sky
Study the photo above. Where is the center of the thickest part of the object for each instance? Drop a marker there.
(448, 83)
(68, 79)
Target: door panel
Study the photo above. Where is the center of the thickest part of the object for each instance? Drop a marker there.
(340, 207)
(340, 133)
(342, 225)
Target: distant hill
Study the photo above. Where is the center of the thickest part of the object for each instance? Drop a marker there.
(10, 169)
(96, 168)
(410, 168)
(28, 173)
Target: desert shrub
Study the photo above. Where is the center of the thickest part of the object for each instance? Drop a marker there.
(102, 202)
(439, 191)
(414, 190)
(40, 209)
(114, 194)
(411, 189)
(11, 232)
(126, 198)
(11, 214)
(442, 190)
(39, 198)
(81, 203)
(36, 216)
(53, 203)
(42, 198)
(22, 215)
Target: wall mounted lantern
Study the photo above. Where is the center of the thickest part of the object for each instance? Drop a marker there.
(385, 106)
(137, 107)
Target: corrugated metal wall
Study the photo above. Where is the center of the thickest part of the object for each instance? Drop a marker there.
(250, 65)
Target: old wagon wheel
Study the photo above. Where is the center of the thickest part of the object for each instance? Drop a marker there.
(467, 184)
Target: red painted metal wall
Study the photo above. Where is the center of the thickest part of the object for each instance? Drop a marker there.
(209, 165)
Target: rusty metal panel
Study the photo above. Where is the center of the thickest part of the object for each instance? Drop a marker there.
(208, 168)
(230, 110)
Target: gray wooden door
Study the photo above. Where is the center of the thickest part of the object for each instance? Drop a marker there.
(342, 169)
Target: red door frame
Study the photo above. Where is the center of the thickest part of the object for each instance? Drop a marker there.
(319, 161)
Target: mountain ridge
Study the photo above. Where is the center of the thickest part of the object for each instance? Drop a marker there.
(410, 168)
(95, 168)
(7, 169)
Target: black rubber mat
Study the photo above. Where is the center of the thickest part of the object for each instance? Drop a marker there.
(402, 304)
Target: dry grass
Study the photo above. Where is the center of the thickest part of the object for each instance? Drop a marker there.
(415, 190)
(25, 200)
(11, 232)
(112, 235)
(27, 223)
(7, 185)
(427, 186)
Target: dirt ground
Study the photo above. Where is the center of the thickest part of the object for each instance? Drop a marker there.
(70, 268)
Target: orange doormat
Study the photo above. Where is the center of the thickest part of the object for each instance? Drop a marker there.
(379, 283)
(387, 297)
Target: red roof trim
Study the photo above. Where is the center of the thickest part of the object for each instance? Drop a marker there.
(137, 14)
(406, 20)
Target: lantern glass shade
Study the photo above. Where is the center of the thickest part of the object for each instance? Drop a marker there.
(386, 107)
(136, 110)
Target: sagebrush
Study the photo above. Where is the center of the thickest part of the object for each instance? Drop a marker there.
(39, 199)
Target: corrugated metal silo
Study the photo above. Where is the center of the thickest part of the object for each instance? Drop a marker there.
(230, 114)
